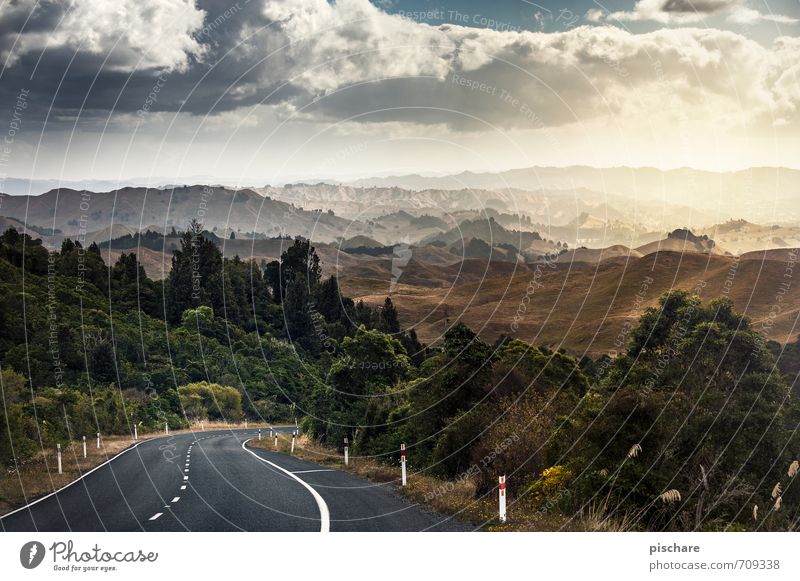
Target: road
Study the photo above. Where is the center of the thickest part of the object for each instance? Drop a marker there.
(211, 481)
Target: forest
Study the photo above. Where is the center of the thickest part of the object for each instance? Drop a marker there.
(692, 426)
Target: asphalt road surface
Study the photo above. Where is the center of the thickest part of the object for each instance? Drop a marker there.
(210, 481)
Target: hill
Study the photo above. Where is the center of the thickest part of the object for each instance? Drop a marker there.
(683, 240)
(584, 307)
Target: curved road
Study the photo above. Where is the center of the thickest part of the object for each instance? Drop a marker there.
(210, 481)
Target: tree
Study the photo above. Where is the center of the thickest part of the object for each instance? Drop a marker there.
(205, 400)
(371, 365)
(196, 274)
(300, 259)
(390, 321)
(452, 382)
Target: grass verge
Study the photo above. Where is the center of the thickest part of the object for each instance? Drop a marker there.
(449, 497)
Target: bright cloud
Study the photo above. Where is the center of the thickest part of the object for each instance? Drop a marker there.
(133, 34)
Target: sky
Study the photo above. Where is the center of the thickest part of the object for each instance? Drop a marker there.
(263, 91)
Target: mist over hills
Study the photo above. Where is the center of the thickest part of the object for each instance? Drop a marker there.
(760, 194)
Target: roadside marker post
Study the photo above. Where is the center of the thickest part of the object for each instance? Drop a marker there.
(98, 440)
(276, 440)
(166, 428)
(502, 490)
(294, 435)
(245, 426)
(84, 446)
(202, 426)
(60, 471)
(259, 435)
(403, 463)
(346, 449)
(135, 432)
(270, 432)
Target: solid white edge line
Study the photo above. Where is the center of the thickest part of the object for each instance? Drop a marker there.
(324, 513)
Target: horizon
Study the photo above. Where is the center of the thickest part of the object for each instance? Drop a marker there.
(162, 182)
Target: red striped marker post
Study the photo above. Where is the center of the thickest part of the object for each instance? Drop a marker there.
(403, 463)
(346, 450)
(502, 489)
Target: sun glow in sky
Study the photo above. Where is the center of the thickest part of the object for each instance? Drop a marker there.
(272, 91)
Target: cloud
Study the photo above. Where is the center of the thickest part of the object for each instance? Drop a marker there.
(688, 12)
(323, 46)
(350, 60)
(131, 34)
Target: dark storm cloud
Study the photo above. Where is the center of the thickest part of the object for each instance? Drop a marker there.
(704, 6)
(65, 82)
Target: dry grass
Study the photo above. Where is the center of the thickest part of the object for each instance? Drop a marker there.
(595, 305)
(39, 476)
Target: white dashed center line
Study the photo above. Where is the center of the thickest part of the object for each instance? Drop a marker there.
(176, 499)
(156, 515)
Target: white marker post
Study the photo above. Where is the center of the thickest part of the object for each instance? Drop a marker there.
(276, 440)
(346, 450)
(166, 428)
(60, 471)
(502, 490)
(84, 446)
(135, 433)
(259, 435)
(403, 463)
(270, 432)
(98, 440)
(202, 426)
(294, 435)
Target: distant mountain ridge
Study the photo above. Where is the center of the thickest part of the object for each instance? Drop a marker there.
(729, 194)
(75, 212)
